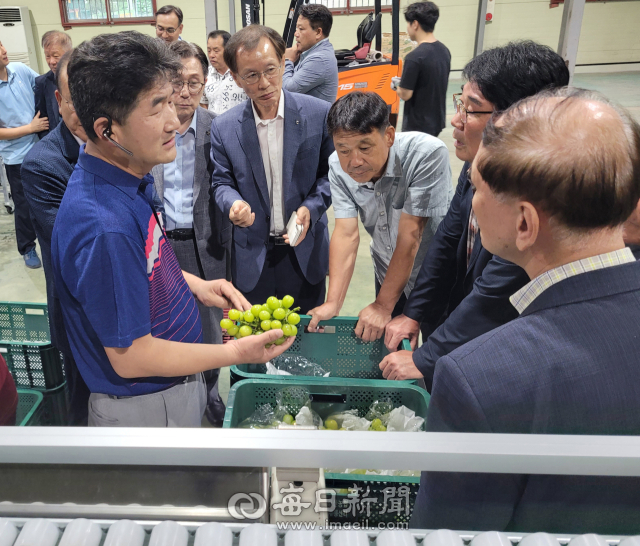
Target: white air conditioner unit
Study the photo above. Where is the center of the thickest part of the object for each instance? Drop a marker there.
(16, 35)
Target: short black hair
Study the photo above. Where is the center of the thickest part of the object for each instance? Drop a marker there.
(62, 67)
(426, 13)
(248, 39)
(219, 34)
(358, 112)
(108, 73)
(515, 71)
(166, 10)
(319, 16)
(188, 50)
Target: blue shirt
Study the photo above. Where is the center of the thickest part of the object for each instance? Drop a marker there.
(178, 180)
(116, 274)
(18, 108)
(417, 181)
(316, 73)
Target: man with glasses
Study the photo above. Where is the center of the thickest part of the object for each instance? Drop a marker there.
(271, 162)
(463, 290)
(183, 188)
(169, 23)
(45, 173)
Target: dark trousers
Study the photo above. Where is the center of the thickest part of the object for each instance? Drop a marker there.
(187, 254)
(77, 392)
(8, 396)
(282, 276)
(25, 233)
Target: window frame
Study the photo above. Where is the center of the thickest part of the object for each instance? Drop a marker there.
(348, 10)
(109, 21)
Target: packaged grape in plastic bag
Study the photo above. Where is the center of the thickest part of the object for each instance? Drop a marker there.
(380, 409)
(307, 417)
(292, 399)
(403, 419)
(349, 420)
(297, 365)
(262, 417)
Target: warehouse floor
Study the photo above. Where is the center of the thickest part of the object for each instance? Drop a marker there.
(17, 283)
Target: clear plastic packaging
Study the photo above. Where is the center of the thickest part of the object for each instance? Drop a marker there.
(263, 417)
(403, 419)
(308, 418)
(349, 420)
(295, 365)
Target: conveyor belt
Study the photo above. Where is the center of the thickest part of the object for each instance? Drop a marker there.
(84, 532)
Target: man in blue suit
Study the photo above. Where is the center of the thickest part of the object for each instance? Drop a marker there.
(270, 158)
(555, 179)
(55, 44)
(45, 173)
(462, 290)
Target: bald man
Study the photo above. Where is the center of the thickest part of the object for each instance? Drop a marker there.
(555, 178)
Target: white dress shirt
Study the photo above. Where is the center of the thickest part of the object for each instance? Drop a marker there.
(271, 138)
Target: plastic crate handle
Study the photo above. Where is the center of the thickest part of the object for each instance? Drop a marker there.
(332, 398)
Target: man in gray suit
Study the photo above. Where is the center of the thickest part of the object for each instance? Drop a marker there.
(183, 187)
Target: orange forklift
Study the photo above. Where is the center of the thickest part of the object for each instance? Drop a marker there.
(358, 70)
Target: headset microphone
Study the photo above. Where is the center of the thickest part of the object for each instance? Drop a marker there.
(107, 133)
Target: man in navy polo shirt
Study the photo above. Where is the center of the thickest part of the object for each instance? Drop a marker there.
(130, 312)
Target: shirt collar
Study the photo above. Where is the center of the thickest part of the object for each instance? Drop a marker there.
(528, 293)
(192, 125)
(305, 53)
(111, 174)
(10, 75)
(280, 113)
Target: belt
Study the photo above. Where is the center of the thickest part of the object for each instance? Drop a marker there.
(184, 381)
(278, 241)
(181, 234)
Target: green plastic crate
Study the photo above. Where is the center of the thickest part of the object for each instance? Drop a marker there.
(338, 351)
(24, 322)
(245, 397)
(25, 343)
(29, 407)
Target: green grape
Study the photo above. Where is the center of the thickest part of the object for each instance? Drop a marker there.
(265, 325)
(264, 315)
(245, 331)
(225, 323)
(279, 313)
(275, 324)
(287, 330)
(331, 424)
(279, 303)
(255, 310)
(265, 307)
(233, 330)
(234, 314)
(376, 424)
(288, 419)
(280, 340)
(248, 316)
(287, 302)
(273, 302)
(293, 318)
(295, 330)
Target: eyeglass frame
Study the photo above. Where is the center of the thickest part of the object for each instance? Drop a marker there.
(170, 31)
(457, 102)
(182, 83)
(260, 74)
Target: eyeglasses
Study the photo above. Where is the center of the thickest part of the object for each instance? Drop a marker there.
(169, 31)
(255, 77)
(69, 103)
(194, 87)
(459, 108)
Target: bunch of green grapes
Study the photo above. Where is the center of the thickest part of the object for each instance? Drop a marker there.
(273, 314)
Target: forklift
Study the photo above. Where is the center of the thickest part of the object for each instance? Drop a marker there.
(358, 68)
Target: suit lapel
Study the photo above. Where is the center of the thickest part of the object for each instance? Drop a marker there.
(248, 137)
(293, 127)
(203, 133)
(158, 180)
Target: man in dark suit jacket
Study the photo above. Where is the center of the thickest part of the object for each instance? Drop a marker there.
(45, 172)
(569, 363)
(189, 213)
(270, 159)
(462, 290)
(55, 44)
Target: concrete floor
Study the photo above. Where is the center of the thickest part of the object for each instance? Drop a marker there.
(17, 283)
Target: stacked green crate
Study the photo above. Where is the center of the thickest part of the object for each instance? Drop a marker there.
(394, 495)
(337, 350)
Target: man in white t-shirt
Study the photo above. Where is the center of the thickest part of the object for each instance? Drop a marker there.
(220, 92)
